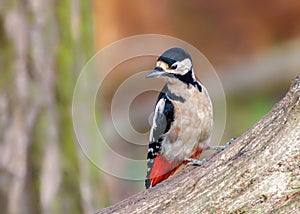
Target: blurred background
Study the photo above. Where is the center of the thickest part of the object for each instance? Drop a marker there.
(254, 47)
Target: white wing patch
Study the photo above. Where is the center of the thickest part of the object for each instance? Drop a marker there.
(159, 109)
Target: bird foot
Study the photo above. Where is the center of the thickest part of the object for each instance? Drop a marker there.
(195, 162)
(221, 148)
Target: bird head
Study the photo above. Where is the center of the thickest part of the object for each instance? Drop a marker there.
(173, 63)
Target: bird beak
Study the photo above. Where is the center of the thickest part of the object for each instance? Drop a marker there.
(157, 72)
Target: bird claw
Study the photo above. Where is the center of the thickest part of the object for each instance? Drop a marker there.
(221, 148)
(195, 162)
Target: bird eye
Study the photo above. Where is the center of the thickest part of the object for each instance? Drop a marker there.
(173, 67)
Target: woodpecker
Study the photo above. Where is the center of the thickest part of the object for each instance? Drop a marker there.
(183, 117)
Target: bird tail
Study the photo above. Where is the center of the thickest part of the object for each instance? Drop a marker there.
(161, 170)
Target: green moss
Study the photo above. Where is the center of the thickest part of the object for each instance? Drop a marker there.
(69, 53)
(34, 159)
(66, 58)
(6, 61)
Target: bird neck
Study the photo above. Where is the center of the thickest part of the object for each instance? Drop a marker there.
(179, 84)
(176, 88)
(187, 78)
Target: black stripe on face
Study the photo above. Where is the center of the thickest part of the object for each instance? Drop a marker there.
(188, 79)
(158, 69)
(167, 60)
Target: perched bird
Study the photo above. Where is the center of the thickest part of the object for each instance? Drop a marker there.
(183, 117)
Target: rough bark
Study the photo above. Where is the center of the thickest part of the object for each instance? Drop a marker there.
(42, 50)
(258, 173)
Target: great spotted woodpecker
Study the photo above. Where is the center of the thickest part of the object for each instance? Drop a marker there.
(183, 117)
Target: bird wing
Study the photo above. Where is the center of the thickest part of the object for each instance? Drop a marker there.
(163, 116)
(162, 120)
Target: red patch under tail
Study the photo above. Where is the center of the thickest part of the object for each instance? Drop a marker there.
(162, 169)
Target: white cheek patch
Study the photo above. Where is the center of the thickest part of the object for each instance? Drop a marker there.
(182, 67)
(185, 65)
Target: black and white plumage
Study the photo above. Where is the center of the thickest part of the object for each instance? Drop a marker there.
(183, 117)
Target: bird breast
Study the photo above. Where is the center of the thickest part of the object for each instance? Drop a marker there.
(192, 125)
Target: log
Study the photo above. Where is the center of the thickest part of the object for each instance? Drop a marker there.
(258, 173)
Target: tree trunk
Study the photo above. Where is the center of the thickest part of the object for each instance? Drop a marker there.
(42, 52)
(258, 173)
